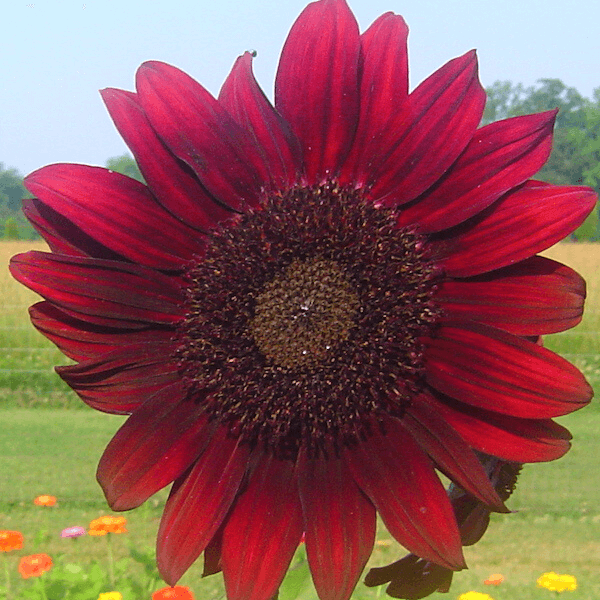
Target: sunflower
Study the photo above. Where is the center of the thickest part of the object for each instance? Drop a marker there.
(312, 306)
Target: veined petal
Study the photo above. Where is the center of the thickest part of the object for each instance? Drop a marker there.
(262, 532)
(198, 130)
(170, 180)
(431, 130)
(121, 380)
(80, 340)
(487, 367)
(383, 89)
(118, 212)
(198, 503)
(452, 455)
(317, 88)
(156, 445)
(399, 478)
(510, 438)
(339, 522)
(536, 296)
(87, 288)
(519, 225)
(247, 104)
(500, 157)
(61, 235)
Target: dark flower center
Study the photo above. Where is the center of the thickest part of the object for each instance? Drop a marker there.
(302, 315)
(304, 319)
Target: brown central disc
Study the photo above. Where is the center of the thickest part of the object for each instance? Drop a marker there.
(304, 319)
(303, 314)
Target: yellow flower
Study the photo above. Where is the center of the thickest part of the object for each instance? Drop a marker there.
(557, 583)
(108, 524)
(110, 596)
(474, 596)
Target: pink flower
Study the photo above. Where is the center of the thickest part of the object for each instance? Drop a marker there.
(73, 532)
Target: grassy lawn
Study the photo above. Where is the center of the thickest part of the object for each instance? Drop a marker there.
(556, 524)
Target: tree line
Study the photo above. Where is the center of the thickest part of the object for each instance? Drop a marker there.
(575, 158)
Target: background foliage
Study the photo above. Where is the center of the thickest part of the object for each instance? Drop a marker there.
(575, 158)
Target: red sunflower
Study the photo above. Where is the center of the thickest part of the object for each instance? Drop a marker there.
(312, 306)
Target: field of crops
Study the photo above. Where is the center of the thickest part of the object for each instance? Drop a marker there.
(555, 527)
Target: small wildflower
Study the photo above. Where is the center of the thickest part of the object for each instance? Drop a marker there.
(495, 579)
(10, 540)
(73, 532)
(474, 596)
(110, 596)
(107, 524)
(557, 583)
(45, 500)
(34, 565)
(178, 592)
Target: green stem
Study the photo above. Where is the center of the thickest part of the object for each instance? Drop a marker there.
(42, 588)
(111, 561)
(7, 575)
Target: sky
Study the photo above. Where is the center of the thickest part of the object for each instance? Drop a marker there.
(56, 56)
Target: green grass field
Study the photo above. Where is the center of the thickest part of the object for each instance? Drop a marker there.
(556, 524)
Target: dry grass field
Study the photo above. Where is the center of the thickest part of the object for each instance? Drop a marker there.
(556, 524)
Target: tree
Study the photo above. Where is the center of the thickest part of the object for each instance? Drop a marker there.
(125, 165)
(575, 157)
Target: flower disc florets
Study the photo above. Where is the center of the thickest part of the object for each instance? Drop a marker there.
(304, 317)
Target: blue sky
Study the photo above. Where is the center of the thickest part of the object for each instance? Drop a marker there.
(55, 57)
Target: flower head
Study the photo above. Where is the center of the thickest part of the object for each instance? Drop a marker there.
(494, 579)
(311, 306)
(10, 540)
(107, 524)
(45, 500)
(557, 583)
(34, 565)
(178, 592)
(110, 596)
(73, 532)
(474, 596)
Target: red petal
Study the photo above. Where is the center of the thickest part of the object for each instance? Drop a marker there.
(316, 88)
(80, 340)
(263, 532)
(431, 130)
(498, 371)
(173, 185)
(400, 480)
(62, 236)
(90, 288)
(509, 438)
(500, 157)
(199, 131)
(121, 380)
(521, 224)
(383, 88)
(536, 296)
(339, 522)
(248, 105)
(198, 503)
(118, 212)
(451, 453)
(155, 446)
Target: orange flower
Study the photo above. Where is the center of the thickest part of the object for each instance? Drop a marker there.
(45, 500)
(10, 540)
(495, 579)
(34, 565)
(108, 524)
(178, 592)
